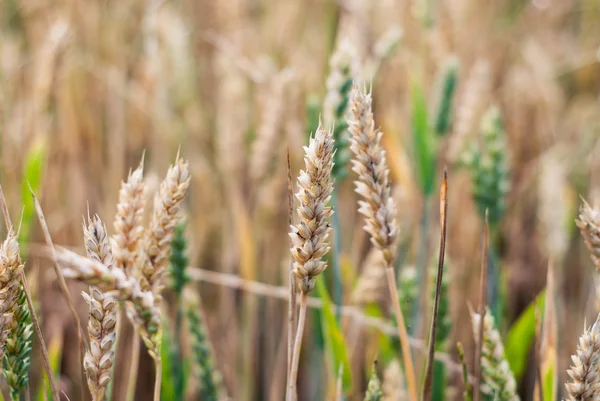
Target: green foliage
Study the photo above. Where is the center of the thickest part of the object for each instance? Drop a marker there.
(340, 130)
(18, 347)
(521, 335)
(203, 361)
(444, 327)
(176, 377)
(33, 171)
(465, 373)
(178, 261)
(169, 363)
(447, 87)
(335, 343)
(374, 391)
(55, 355)
(548, 384)
(424, 142)
(408, 291)
(487, 162)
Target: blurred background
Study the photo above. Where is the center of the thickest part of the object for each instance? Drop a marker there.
(87, 87)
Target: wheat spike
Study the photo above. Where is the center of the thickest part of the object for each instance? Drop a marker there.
(165, 217)
(585, 377)
(393, 382)
(374, 391)
(128, 223)
(372, 285)
(378, 207)
(497, 379)
(99, 359)
(588, 222)
(309, 236)
(15, 323)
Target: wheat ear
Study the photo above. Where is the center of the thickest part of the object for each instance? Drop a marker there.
(309, 236)
(497, 379)
(128, 223)
(157, 242)
(588, 222)
(378, 206)
(584, 373)
(99, 359)
(129, 232)
(15, 335)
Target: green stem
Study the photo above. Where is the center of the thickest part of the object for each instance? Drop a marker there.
(335, 257)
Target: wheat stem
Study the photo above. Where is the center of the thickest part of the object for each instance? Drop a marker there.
(133, 367)
(158, 379)
(403, 335)
(291, 393)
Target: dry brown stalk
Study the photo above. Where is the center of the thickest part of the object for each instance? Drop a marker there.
(585, 384)
(157, 243)
(309, 236)
(62, 284)
(128, 223)
(588, 222)
(378, 206)
(99, 359)
(291, 281)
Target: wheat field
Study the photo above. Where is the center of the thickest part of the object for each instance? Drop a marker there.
(300, 200)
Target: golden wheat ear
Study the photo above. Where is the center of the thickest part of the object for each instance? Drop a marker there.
(99, 359)
(585, 378)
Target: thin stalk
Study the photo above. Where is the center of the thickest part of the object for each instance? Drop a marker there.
(403, 335)
(109, 388)
(422, 263)
(291, 279)
(158, 379)
(493, 282)
(335, 257)
(34, 319)
(38, 332)
(428, 383)
(133, 367)
(291, 392)
(482, 309)
(177, 370)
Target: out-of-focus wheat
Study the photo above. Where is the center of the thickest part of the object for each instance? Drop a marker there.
(588, 222)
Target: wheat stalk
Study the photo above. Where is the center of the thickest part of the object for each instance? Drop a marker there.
(309, 236)
(584, 373)
(99, 359)
(378, 206)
